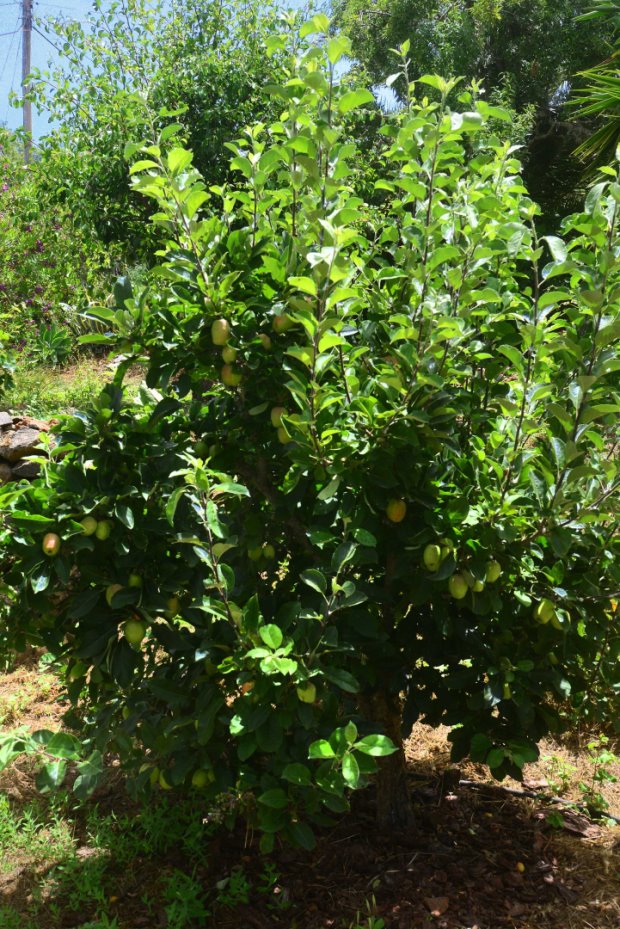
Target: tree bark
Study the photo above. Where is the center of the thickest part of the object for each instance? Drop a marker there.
(394, 809)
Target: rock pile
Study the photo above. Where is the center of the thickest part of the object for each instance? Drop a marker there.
(19, 437)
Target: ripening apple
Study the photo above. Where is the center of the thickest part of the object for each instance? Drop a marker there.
(276, 416)
(306, 692)
(220, 332)
(544, 611)
(458, 586)
(494, 569)
(110, 590)
(134, 631)
(432, 557)
(89, 525)
(229, 354)
(396, 510)
(282, 322)
(51, 544)
(265, 341)
(229, 376)
(103, 530)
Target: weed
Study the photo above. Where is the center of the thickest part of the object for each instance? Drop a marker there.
(602, 759)
(559, 774)
(371, 920)
(184, 900)
(234, 889)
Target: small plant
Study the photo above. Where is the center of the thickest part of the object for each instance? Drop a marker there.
(602, 759)
(185, 904)
(370, 918)
(234, 890)
(269, 885)
(52, 345)
(559, 774)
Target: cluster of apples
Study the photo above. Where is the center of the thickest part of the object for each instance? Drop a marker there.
(463, 581)
(276, 415)
(220, 335)
(101, 529)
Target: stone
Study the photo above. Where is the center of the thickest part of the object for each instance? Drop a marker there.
(5, 420)
(26, 470)
(6, 474)
(19, 444)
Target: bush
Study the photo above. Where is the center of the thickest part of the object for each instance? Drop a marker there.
(372, 476)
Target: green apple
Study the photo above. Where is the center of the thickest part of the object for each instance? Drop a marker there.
(163, 783)
(51, 544)
(134, 580)
(229, 354)
(507, 692)
(458, 586)
(103, 530)
(276, 416)
(478, 587)
(283, 436)
(110, 590)
(255, 553)
(89, 525)
(229, 376)
(134, 631)
(201, 778)
(269, 551)
(396, 510)
(432, 557)
(201, 448)
(172, 607)
(220, 332)
(77, 671)
(544, 611)
(306, 692)
(494, 569)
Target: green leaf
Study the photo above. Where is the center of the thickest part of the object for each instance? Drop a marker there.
(313, 578)
(302, 835)
(276, 799)
(353, 99)
(51, 776)
(271, 636)
(496, 757)
(321, 749)
(318, 23)
(351, 770)
(297, 774)
(377, 745)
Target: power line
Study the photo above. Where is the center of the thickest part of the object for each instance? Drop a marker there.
(13, 31)
(6, 112)
(8, 54)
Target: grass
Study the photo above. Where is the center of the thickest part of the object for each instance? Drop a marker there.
(44, 391)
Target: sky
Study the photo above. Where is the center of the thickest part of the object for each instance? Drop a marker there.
(10, 50)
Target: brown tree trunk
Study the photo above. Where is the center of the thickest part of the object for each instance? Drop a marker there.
(394, 810)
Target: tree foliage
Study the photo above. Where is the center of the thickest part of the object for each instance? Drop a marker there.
(524, 52)
(372, 476)
(129, 60)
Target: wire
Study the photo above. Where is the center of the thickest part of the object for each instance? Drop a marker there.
(6, 113)
(8, 54)
(9, 33)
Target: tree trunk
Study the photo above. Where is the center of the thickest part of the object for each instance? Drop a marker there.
(394, 810)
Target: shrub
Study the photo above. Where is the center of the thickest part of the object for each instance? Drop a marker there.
(372, 475)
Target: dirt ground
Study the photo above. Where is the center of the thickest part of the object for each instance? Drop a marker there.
(479, 857)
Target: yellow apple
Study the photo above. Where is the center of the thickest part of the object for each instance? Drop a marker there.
(220, 332)
(282, 322)
(229, 376)
(110, 590)
(276, 416)
(544, 611)
(103, 530)
(201, 778)
(432, 557)
(229, 354)
(134, 631)
(306, 692)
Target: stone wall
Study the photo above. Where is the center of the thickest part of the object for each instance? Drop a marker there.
(19, 437)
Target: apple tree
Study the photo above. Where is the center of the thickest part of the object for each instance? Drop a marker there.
(371, 476)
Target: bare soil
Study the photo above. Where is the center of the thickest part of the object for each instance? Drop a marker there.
(477, 858)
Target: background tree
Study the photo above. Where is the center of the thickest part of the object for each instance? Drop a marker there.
(118, 69)
(525, 53)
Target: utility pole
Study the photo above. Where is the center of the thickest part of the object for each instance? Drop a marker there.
(27, 106)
